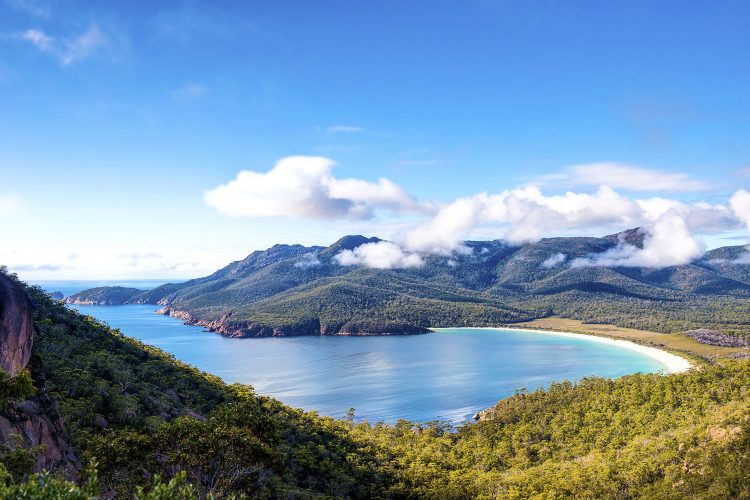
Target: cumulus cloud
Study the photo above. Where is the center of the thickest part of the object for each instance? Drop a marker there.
(554, 260)
(68, 49)
(668, 242)
(304, 186)
(379, 255)
(740, 205)
(527, 214)
(619, 176)
(444, 234)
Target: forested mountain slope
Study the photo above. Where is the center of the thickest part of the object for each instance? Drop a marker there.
(140, 422)
(297, 290)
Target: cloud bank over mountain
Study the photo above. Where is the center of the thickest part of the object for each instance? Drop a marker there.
(305, 187)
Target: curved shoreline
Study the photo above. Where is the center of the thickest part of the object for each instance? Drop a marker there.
(671, 362)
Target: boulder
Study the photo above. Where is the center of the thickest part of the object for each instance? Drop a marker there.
(16, 326)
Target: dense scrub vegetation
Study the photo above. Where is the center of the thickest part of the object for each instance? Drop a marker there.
(296, 290)
(725, 314)
(146, 426)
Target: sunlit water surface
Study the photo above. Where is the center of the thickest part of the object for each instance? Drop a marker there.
(447, 375)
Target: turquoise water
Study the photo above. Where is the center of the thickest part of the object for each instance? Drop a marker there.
(447, 375)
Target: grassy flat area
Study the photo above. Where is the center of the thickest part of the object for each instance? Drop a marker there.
(677, 342)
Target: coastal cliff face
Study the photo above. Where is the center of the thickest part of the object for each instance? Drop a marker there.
(33, 422)
(247, 329)
(16, 327)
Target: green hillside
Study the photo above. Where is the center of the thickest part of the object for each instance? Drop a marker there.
(297, 290)
(141, 423)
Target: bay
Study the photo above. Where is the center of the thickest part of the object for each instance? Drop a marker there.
(446, 375)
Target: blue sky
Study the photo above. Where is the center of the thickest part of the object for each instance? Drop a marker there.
(117, 117)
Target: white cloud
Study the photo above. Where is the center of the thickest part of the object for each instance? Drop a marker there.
(628, 177)
(382, 193)
(38, 38)
(554, 260)
(71, 49)
(190, 93)
(379, 255)
(307, 261)
(352, 129)
(526, 214)
(444, 234)
(668, 242)
(304, 186)
(740, 205)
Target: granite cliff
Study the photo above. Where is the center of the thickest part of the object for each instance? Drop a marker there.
(16, 327)
(28, 416)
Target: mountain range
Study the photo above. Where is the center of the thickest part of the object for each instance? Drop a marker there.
(304, 290)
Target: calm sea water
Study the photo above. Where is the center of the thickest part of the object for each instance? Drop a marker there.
(448, 375)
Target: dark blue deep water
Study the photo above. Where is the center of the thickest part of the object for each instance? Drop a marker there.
(447, 375)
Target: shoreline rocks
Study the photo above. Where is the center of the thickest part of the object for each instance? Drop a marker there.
(225, 326)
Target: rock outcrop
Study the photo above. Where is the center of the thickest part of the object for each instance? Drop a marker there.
(32, 423)
(16, 326)
(35, 424)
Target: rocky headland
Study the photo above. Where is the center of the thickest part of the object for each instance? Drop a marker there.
(228, 327)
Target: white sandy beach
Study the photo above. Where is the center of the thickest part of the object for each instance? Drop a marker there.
(671, 362)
